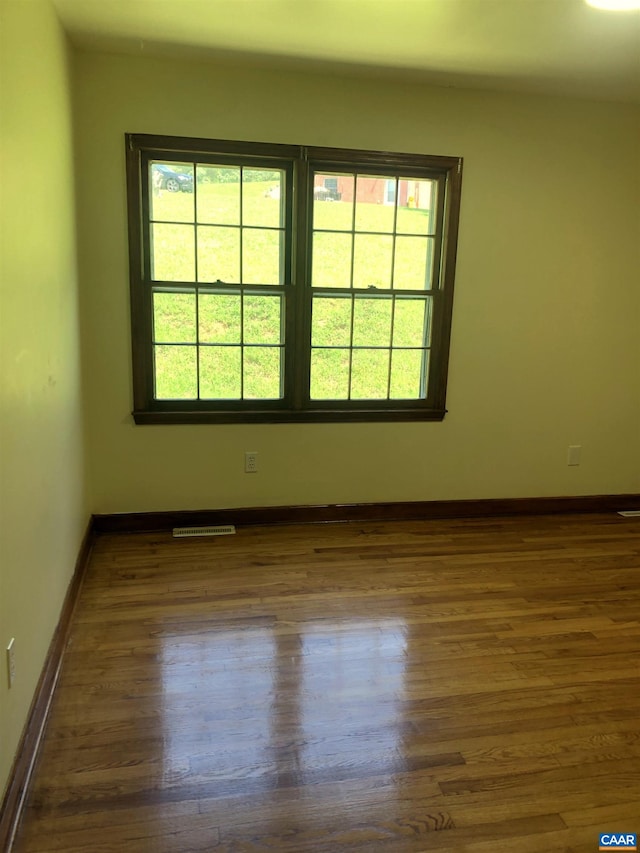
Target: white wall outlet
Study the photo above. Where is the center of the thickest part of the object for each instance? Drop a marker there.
(574, 453)
(11, 662)
(251, 462)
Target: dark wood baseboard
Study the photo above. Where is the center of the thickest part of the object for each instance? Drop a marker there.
(14, 798)
(415, 510)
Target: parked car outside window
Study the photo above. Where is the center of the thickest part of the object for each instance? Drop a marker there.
(166, 178)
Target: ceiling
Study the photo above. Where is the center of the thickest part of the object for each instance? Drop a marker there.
(555, 46)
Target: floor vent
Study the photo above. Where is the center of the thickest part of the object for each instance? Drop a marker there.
(221, 530)
(630, 513)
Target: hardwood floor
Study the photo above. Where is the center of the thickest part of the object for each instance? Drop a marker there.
(467, 685)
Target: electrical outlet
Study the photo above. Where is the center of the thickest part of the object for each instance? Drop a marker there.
(251, 462)
(11, 662)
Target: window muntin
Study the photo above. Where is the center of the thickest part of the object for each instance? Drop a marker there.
(273, 282)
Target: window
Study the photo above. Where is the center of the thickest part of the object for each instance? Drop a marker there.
(282, 283)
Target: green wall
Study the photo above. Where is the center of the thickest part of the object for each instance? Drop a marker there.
(545, 344)
(43, 511)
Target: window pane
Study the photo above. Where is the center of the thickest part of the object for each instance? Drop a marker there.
(219, 254)
(219, 318)
(220, 373)
(176, 373)
(171, 191)
(174, 318)
(375, 203)
(372, 261)
(173, 253)
(263, 197)
(372, 322)
(261, 257)
(406, 374)
(333, 201)
(411, 326)
(262, 320)
(331, 322)
(416, 205)
(329, 374)
(331, 260)
(262, 373)
(369, 374)
(218, 194)
(412, 270)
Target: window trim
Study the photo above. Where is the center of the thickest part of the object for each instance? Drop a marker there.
(298, 163)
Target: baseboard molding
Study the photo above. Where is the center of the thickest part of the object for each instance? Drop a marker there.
(136, 522)
(18, 784)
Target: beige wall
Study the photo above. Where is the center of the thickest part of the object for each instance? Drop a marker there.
(545, 347)
(42, 507)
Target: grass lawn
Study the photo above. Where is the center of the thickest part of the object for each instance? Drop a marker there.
(240, 334)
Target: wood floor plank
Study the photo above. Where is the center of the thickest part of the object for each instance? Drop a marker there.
(443, 685)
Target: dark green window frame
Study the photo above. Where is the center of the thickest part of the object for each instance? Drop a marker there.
(298, 166)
